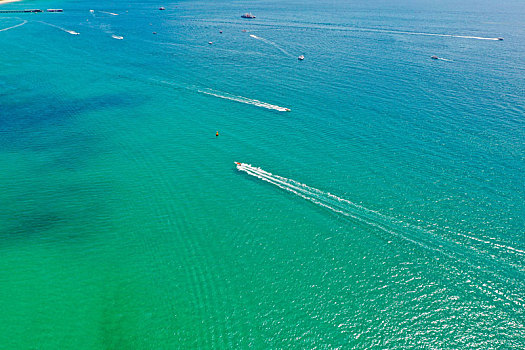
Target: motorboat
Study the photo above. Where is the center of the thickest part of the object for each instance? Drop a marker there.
(434, 57)
(247, 15)
(300, 58)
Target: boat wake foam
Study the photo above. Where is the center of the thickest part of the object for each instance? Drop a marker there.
(12, 27)
(428, 34)
(72, 32)
(410, 232)
(271, 43)
(241, 99)
(109, 13)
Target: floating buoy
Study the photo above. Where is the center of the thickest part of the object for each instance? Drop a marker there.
(217, 133)
(220, 31)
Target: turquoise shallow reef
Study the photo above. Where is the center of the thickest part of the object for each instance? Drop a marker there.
(385, 210)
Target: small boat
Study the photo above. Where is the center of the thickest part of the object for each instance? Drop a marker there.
(220, 31)
(162, 8)
(244, 30)
(55, 10)
(247, 15)
(434, 57)
(118, 37)
(92, 11)
(287, 110)
(300, 58)
(500, 38)
(210, 42)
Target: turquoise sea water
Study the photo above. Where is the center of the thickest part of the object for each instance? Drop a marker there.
(125, 224)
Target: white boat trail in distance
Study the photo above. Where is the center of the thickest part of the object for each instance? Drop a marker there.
(241, 99)
(222, 95)
(72, 32)
(12, 27)
(109, 13)
(271, 43)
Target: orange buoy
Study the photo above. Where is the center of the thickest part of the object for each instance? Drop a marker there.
(217, 133)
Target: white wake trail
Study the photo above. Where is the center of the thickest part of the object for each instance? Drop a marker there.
(109, 13)
(72, 32)
(241, 99)
(355, 211)
(271, 43)
(15, 26)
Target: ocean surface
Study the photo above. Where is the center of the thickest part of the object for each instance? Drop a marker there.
(385, 210)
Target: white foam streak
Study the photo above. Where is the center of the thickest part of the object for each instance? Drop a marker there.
(72, 32)
(355, 211)
(109, 13)
(271, 43)
(18, 25)
(242, 99)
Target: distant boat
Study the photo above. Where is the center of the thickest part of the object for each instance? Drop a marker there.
(55, 10)
(500, 38)
(210, 42)
(434, 57)
(247, 15)
(300, 58)
(118, 37)
(162, 8)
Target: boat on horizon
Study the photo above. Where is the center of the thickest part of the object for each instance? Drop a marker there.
(248, 15)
